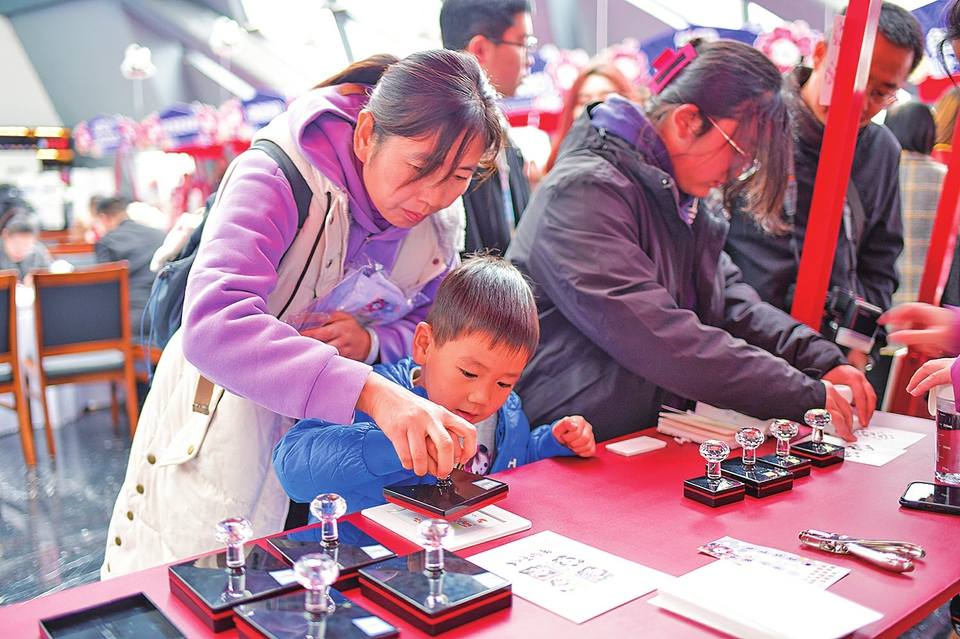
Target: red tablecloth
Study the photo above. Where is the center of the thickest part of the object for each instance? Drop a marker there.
(633, 507)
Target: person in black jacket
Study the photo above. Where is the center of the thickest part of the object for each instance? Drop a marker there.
(871, 236)
(124, 239)
(638, 304)
(499, 34)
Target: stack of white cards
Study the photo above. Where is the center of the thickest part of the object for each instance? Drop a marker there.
(753, 601)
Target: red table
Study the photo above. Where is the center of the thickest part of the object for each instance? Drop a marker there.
(633, 507)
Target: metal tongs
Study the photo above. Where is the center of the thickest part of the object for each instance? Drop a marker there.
(896, 556)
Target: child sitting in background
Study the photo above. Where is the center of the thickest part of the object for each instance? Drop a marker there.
(479, 334)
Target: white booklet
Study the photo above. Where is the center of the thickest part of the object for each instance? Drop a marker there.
(571, 579)
(490, 522)
(753, 601)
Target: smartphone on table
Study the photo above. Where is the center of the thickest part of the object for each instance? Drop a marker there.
(938, 498)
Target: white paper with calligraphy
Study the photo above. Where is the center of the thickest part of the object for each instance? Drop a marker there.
(810, 571)
(490, 522)
(876, 445)
(571, 579)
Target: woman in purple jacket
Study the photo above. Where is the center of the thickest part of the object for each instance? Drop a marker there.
(380, 161)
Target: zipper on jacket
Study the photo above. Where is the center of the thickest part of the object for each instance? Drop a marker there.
(313, 250)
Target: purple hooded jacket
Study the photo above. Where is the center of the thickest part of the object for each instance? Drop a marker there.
(229, 335)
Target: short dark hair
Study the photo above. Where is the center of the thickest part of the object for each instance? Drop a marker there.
(441, 95)
(22, 221)
(461, 20)
(112, 206)
(730, 79)
(486, 293)
(912, 123)
(902, 29)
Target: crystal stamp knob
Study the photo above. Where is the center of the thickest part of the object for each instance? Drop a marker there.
(784, 430)
(432, 533)
(817, 419)
(714, 451)
(749, 439)
(316, 572)
(233, 533)
(328, 508)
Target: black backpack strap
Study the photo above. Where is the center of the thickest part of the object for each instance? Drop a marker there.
(301, 190)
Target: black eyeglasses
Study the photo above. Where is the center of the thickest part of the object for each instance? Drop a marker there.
(529, 43)
(751, 165)
(886, 98)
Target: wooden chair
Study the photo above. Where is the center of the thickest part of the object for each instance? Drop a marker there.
(77, 253)
(11, 381)
(83, 333)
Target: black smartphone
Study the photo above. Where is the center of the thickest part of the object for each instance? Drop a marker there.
(938, 498)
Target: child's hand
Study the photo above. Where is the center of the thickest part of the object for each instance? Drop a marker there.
(576, 433)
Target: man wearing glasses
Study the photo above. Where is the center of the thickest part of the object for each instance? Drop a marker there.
(871, 235)
(499, 34)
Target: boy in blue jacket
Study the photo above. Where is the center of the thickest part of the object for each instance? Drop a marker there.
(479, 334)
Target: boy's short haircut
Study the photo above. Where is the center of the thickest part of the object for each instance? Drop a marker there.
(461, 20)
(112, 206)
(486, 293)
(22, 221)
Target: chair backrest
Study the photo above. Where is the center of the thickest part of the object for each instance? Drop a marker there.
(84, 310)
(8, 316)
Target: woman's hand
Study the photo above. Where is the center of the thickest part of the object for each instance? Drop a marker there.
(427, 437)
(864, 398)
(344, 333)
(930, 329)
(576, 433)
(932, 373)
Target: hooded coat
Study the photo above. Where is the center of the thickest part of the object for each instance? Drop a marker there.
(188, 470)
(638, 303)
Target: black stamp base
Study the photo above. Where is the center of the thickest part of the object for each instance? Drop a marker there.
(355, 550)
(133, 616)
(759, 481)
(466, 493)
(714, 492)
(799, 466)
(820, 455)
(284, 617)
(203, 584)
(403, 586)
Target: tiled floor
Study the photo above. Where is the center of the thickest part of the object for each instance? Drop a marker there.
(53, 521)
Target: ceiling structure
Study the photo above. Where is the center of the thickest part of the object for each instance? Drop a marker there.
(75, 46)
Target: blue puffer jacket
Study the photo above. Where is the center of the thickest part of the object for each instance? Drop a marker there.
(356, 461)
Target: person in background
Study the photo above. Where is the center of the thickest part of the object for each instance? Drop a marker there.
(639, 306)
(499, 34)
(123, 239)
(871, 237)
(945, 117)
(921, 179)
(20, 235)
(386, 165)
(469, 353)
(594, 83)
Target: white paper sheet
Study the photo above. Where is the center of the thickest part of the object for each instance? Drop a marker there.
(752, 601)
(490, 522)
(875, 445)
(571, 579)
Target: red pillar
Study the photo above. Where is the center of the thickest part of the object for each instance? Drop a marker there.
(836, 157)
